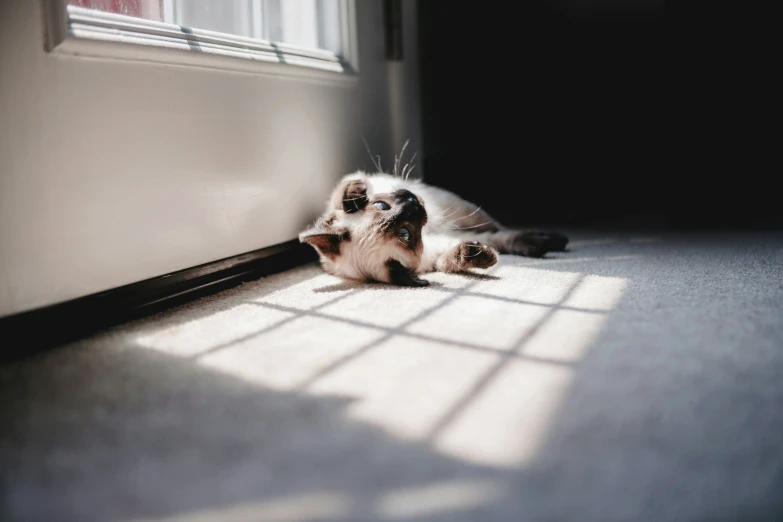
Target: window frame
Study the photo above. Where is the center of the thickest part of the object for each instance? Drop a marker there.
(79, 31)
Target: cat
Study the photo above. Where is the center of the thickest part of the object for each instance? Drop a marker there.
(390, 229)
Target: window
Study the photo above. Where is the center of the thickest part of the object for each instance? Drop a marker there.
(312, 33)
(155, 153)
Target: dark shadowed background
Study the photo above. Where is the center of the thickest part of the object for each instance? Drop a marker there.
(599, 113)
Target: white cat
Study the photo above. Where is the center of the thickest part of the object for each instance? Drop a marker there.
(379, 227)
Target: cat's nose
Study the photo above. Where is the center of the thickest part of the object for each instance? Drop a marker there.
(406, 196)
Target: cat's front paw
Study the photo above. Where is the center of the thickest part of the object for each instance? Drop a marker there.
(472, 254)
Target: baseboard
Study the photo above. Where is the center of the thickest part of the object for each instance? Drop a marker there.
(30, 332)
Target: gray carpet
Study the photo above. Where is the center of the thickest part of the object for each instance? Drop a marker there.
(635, 378)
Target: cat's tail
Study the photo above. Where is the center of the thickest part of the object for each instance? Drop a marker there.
(528, 243)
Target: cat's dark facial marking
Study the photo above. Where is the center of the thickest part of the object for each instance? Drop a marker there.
(355, 196)
(402, 217)
(400, 275)
(326, 240)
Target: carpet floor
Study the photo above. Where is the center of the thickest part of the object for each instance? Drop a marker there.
(637, 377)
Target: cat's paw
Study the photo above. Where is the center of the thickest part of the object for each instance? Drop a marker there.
(536, 244)
(473, 254)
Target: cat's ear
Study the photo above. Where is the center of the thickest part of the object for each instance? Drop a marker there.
(354, 196)
(325, 239)
(400, 275)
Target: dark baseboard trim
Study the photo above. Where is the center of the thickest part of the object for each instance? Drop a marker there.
(30, 332)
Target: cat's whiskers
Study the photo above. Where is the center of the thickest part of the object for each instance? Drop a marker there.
(375, 162)
(397, 160)
(468, 228)
(442, 229)
(409, 166)
(473, 255)
(443, 215)
(432, 223)
(428, 227)
(463, 217)
(445, 226)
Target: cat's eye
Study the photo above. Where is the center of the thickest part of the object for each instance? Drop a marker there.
(381, 205)
(404, 234)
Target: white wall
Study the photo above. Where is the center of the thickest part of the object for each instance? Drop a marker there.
(114, 172)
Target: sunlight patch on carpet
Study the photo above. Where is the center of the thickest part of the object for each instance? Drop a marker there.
(481, 321)
(406, 385)
(309, 293)
(284, 357)
(385, 306)
(198, 335)
(528, 284)
(476, 369)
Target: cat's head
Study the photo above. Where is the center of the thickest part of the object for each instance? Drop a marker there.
(372, 231)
